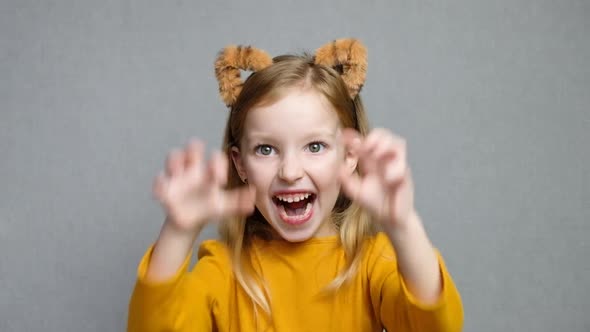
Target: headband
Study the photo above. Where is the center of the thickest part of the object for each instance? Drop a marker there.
(347, 56)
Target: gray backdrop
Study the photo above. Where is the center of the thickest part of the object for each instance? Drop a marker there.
(492, 97)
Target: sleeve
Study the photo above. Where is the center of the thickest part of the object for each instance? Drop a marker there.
(188, 301)
(397, 308)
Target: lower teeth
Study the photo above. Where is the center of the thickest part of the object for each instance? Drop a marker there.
(297, 215)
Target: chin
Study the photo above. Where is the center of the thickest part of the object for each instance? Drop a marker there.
(295, 235)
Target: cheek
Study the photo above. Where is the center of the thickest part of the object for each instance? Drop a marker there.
(260, 172)
(325, 170)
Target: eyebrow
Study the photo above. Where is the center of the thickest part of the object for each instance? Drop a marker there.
(262, 136)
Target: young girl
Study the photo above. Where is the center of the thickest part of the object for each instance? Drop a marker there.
(312, 205)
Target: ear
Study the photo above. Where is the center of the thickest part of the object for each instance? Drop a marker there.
(236, 158)
(228, 64)
(350, 140)
(350, 160)
(351, 56)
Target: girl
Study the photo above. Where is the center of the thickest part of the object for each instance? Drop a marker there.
(312, 206)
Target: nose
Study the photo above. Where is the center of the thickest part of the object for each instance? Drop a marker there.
(291, 169)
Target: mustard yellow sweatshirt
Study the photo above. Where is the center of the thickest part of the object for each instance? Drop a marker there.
(208, 298)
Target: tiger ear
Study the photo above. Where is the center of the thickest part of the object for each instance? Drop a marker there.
(228, 64)
(349, 55)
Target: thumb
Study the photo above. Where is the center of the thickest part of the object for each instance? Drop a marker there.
(238, 202)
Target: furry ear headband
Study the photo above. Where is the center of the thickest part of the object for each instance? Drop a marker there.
(348, 56)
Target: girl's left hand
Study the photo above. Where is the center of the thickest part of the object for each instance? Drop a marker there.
(384, 186)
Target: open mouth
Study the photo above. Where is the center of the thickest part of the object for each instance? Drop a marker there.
(295, 209)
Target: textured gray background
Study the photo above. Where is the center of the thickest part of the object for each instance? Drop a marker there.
(493, 97)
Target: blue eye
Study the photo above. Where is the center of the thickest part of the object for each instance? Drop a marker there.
(265, 150)
(316, 147)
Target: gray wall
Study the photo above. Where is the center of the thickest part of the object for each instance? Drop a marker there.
(492, 96)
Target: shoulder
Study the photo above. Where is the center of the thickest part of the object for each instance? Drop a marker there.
(379, 255)
(213, 255)
(378, 246)
(214, 248)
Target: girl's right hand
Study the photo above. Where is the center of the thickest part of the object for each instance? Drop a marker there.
(192, 189)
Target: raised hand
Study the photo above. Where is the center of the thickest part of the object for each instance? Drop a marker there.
(192, 189)
(384, 186)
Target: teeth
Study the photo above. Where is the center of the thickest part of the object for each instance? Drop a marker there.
(293, 198)
(285, 216)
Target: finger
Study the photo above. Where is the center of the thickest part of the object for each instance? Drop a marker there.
(238, 202)
(386, 145)
(394, 174)
(194, 153)
(374, 141)
(175, 162)
(218, 168)
(351, 139)
(379, 138)
(394, 168)
(391, 158)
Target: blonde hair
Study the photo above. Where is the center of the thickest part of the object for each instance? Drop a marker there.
(265, 87)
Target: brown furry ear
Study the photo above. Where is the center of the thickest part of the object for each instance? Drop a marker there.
(228, 64)
(349, 55)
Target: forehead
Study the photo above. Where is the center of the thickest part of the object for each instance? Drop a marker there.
(297, 113)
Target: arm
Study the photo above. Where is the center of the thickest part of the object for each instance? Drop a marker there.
(417, 260)
(186, 300)
(411, 288)
(170, 251)
(402, 309)
(430, 297)
(158, 298)
(193, 192)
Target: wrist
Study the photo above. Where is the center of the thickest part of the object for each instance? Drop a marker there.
(408, 233)
(177, 228)
(172, 234)
(170, 250)
(401, 226)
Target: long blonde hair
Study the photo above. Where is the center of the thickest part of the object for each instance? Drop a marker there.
(265, 87)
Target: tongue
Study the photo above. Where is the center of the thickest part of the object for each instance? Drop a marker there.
(295, 208)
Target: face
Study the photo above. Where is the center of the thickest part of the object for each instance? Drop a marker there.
(291, 154)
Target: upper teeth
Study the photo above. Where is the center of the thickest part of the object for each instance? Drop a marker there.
(292, 198)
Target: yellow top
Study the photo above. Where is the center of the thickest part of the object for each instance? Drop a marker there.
(208, 298)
